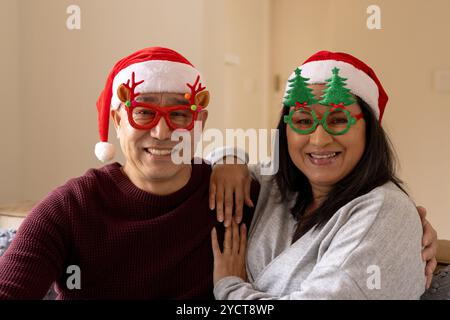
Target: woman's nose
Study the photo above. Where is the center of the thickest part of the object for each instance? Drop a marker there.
(320, 137)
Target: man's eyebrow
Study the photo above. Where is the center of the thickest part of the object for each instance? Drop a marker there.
(177, 100)
(147, 98)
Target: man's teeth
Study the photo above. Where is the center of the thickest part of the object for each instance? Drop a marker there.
(160, 152)
(323, 156)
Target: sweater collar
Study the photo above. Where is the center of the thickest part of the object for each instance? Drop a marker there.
(157, 202)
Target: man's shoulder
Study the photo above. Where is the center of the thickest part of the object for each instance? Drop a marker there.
(93, 177)
(84, 186)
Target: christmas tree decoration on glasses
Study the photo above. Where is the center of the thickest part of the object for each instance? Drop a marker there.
(337, 120)
(145, 116)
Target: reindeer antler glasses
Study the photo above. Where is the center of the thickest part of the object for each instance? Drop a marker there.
(144, 116)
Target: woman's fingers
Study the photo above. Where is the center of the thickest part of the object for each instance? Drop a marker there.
(248, 199)
(238, 203)
(235, 232)
(228, 205)
(219, 202)
(228, 241)
(215, 244)
(243, 242)
(212, 196)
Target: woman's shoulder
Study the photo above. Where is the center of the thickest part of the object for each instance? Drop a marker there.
(381, 228)
(388, 194)
(387, 203)
(393, 197)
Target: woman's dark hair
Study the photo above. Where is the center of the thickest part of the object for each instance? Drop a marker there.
(375, 168)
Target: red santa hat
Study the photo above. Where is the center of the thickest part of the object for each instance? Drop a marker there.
(162, 69)
(361, 79)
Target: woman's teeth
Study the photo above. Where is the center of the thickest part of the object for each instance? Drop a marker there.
(323, 156)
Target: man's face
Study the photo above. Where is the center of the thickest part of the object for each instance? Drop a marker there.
(148, 152)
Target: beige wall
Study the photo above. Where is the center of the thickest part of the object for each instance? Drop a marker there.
(49, 127)
(11, 126)
(410, 47)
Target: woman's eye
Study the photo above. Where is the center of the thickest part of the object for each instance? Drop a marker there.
(339, 120)
(304, 121)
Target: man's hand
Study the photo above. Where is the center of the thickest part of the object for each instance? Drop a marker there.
(430, 244)
(230, 262)
(230, 183)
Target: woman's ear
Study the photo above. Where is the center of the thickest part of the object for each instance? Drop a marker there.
(123, 93)
(202, 99)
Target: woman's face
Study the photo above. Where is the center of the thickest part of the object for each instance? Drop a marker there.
(324, 158)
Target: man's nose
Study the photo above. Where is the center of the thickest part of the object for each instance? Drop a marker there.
(161, 131)
(320, 137)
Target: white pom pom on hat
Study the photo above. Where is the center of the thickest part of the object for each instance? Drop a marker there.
(105, 151)
(162, 69)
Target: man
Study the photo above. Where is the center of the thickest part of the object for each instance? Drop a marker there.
(141, 230)
(137, 231)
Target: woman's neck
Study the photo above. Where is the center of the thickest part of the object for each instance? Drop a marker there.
(320, 193)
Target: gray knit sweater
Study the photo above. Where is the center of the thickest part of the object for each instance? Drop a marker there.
(369, 249)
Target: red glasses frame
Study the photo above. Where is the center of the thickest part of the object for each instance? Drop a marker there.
(161, 112)
(132, 104)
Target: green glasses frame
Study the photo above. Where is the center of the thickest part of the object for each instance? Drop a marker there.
(351, 120)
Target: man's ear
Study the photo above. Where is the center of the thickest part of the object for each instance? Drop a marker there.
(123, 93)
(115, 115)
(202, 116)
(202, 99)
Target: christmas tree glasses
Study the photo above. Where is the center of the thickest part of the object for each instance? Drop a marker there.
(337, 120)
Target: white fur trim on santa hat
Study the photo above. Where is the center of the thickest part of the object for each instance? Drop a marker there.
(105, 151)
(357, 81)
(158, 76)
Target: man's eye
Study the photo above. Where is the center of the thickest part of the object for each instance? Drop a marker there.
(143, 112)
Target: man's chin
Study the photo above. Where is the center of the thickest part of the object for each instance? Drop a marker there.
(161, 170)
(160, 166)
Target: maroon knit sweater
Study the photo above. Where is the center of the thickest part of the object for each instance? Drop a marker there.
(128, 243)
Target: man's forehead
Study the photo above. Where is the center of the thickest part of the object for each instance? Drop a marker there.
(156, 97)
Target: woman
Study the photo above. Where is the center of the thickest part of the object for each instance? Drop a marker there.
(334, 222)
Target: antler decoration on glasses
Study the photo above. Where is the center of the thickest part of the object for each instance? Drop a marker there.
(131, 94)
(195, 88)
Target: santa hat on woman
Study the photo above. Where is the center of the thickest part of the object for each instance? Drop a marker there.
(162, 69)
(361, 79)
